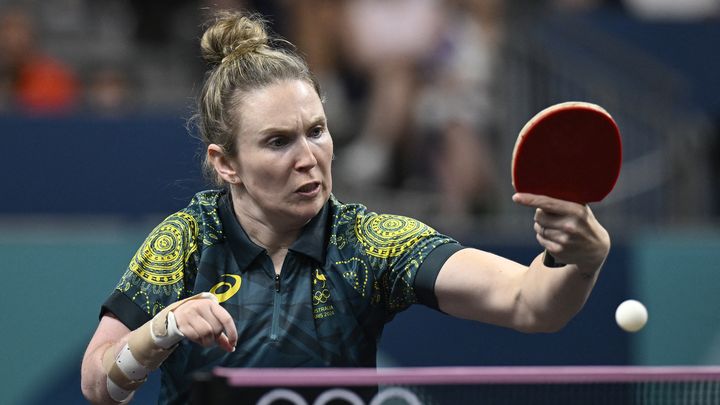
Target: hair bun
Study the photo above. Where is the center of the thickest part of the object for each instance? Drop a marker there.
(230, 35)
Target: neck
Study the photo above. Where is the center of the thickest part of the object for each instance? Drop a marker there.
(263, 231)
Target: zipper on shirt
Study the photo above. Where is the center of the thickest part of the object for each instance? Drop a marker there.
(276, 311)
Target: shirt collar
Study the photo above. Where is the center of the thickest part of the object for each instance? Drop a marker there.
(311, 242)
(313, 237)
(243, 249)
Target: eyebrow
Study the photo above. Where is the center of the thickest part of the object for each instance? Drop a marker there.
(319, 120)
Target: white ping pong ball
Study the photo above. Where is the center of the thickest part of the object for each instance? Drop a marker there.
(631, 315)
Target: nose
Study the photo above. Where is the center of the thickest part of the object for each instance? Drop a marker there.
(305, 156)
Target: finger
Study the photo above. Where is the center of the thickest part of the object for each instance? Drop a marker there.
(207, 313)
(227, 324)
(208, 320)
(207, 334)
(217, 318)
(194, 332)
(567, 224)
(551, 234)
(224, 343)
(550, 225)
(548, 204)
(551, 246)
(539, 229)
(548, 219)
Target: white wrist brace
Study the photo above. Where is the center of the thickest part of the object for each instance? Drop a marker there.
(147, 347)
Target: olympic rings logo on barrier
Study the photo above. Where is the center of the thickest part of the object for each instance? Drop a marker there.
(339, 394)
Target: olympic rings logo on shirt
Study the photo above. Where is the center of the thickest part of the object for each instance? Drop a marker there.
(282, 394)
(321, 297)
(231, 288)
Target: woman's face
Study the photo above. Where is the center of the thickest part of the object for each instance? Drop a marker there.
(284, 153)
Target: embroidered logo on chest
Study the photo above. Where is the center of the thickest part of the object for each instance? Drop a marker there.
(227, 288)
(322, 306)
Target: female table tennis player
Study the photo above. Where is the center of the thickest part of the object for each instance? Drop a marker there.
(271, 270)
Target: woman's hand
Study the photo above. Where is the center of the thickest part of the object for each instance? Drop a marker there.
(207, 323)
(567, 230)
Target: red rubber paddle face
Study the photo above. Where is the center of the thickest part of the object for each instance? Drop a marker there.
(570, 151)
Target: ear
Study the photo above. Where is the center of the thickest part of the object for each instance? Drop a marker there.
(224, 166)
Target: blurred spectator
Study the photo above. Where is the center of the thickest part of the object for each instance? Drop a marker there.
(31, 81)
(388, 40)
(455, 107)
(430, 69)
(109, 91)
(316, 27)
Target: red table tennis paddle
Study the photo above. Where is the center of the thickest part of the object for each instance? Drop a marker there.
(571, 151)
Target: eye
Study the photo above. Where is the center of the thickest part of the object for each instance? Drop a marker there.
(317, 131)
(278, 142)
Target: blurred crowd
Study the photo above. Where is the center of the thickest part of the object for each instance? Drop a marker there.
(394, 91)
(410, 85)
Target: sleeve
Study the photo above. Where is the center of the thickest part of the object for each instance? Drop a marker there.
(427, 273)
(158, 272)
(408, 256)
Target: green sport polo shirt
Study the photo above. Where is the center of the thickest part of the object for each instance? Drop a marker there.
(348, 274)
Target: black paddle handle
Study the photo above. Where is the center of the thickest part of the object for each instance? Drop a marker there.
(550, 261)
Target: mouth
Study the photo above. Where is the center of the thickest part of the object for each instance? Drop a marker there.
(310, 189)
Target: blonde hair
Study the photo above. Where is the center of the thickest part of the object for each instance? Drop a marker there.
(241, 57)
